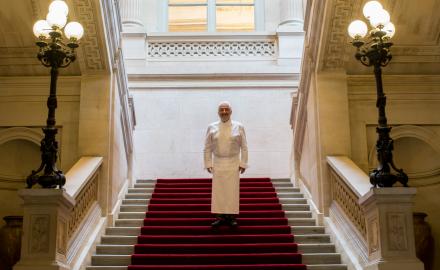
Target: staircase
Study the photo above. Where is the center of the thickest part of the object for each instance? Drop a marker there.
(117, 245)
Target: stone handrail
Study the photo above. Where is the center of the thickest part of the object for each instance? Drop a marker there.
(348, 184)
(82, 185)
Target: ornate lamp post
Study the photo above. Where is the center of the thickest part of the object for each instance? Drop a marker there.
(54, 53)
(373, 49)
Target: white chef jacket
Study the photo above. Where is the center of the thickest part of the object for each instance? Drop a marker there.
(225, 151)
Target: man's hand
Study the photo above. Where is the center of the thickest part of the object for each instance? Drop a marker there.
(241, 169)
(209, 169)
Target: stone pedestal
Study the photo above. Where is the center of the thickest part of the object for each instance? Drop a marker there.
(45, 225)
(390, 233)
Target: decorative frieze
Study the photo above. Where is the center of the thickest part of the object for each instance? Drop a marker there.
(212, 49)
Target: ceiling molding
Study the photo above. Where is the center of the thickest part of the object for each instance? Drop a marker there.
(92, 49)
(335, 53)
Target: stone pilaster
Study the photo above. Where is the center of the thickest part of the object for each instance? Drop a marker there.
(45, 221)
(390, 233)
(292, 14)
(131, 13)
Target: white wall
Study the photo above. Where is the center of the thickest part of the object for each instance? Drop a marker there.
(171, 126)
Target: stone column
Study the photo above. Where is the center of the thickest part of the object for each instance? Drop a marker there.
(45, 224)
(292, 14)
(290, 32)
(390, 233)
(131, 13)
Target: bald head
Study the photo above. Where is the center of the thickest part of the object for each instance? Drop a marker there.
(224, 111)
(225, 104)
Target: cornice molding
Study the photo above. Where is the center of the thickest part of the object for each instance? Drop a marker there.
(415, 80)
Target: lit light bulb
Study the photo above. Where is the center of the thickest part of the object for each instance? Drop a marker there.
(59, 6)
(57, 20)
(42, 29)
(357, 29)
(74, 31)
(380, 18)
(390, 30)
(370, 8)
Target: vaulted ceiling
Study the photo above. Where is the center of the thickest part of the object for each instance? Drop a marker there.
(17, 42)
(416, 47)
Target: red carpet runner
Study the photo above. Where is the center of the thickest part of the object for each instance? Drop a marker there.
(177, 232)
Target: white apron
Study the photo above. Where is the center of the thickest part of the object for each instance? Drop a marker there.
(224, 142)
(225, 197)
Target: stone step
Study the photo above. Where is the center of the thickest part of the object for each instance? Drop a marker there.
(129, 249)
(150, 190)
(143, 181)
(144, 185)
(298, 230)
(275, 180)
(138, 196)
(287, 189)
(281, 195)
(139, 222)
(131, 239)
(152, 184)
(140, 190)
(147, 201)
(143, 208)
(295, 229)
(124, 260)
(141, 214)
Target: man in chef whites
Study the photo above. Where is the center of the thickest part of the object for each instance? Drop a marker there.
(225, 156)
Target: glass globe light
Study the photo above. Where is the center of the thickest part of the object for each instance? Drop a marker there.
(357, 29)
(74, 30)
(390, 30)
(380, 18)
(59, 6)
(370, 8)
(41, 29)
(57, 20)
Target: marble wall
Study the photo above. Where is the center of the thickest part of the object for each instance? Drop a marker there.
(171, 126)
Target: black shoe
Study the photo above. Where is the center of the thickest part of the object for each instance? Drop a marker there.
(221, 219)
(232, 222)
(217, 223)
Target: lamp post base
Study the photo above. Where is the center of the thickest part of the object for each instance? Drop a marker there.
(382, 176)
(52, 177)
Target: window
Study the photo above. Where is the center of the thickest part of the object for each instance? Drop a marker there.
(211, 15)
(187, 15)
(234, 15)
